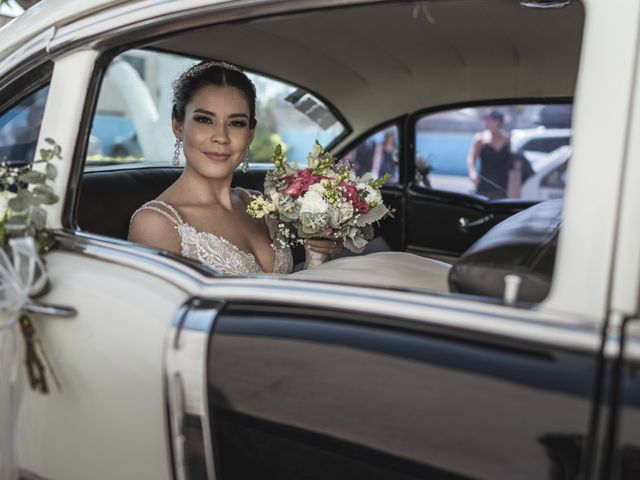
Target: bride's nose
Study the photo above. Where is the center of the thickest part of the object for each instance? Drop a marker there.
(220, 133)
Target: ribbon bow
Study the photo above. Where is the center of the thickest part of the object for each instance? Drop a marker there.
(21, 277)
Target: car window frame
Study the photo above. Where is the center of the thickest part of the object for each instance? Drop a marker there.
(21, 87)
(115, 52)
(82, 143)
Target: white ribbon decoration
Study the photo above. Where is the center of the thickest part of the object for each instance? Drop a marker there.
(21, 276)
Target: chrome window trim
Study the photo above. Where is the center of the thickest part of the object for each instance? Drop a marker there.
(186, 380)
(423, 309)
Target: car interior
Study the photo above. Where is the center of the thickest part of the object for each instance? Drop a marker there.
(387, 64)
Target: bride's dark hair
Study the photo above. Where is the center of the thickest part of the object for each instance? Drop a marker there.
(211, 73)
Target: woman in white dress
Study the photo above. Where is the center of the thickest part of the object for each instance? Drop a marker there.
(200, 216)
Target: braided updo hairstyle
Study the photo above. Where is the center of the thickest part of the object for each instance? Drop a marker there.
(219, 74)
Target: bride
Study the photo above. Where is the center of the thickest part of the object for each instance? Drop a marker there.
(200, 216)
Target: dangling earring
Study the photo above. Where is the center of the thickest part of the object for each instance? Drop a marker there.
(176, 152)
(245, 161)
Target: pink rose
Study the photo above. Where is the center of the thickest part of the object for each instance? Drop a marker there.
(351, 194)
(298, 185)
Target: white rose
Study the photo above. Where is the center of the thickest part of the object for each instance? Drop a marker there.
(373, 195)
(318, 188)
(313, 202)
(346, 211)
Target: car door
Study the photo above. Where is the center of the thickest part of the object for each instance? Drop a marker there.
(107, 419)
(378, 385)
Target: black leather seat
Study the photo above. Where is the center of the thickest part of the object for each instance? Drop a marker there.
(108, 198)
(524, 244)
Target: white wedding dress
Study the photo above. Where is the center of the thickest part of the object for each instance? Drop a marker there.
(218, 251)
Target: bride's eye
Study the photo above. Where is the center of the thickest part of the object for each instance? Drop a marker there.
(203, 119)
(238, 123)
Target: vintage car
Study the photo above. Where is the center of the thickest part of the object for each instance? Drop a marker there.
(170, 369)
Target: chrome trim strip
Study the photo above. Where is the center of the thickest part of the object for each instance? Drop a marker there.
(425, 309)
(186, 364)
(632, 340)
(50, 310)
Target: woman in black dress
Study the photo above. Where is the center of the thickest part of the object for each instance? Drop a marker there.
(493, 148)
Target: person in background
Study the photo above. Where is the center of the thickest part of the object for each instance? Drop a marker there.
(363, 156)
(493, 148)
(384, 160)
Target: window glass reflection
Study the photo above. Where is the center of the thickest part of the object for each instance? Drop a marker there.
(377, 154)
(20, 127)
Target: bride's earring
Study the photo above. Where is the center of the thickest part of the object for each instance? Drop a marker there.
(176, 152)
(245, 161)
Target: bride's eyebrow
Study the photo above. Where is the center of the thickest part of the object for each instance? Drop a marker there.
(233, 115)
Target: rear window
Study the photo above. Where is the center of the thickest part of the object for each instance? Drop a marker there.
(132, 120)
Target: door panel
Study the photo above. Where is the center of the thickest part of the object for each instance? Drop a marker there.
(320, 394)
(433, 220)
(109, 419)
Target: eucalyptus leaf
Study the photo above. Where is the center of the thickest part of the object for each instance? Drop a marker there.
(373, 215)
(33, 177)
(44, 188)
(50, 141)
(38, 217)
(46, 154)
(43, 194)
(51, 171)
(21, 201)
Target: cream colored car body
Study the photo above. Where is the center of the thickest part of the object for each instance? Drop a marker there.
(109, 420)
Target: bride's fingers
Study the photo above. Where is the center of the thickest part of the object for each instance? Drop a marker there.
(329, 247)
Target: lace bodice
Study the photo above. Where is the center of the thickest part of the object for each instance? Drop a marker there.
(218, 251)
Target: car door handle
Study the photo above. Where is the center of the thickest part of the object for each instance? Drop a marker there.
(49, 310)
(464, 224)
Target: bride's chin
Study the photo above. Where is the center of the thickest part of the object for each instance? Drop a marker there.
(216, 172)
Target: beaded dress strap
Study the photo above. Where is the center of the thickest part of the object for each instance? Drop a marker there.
(172, 214)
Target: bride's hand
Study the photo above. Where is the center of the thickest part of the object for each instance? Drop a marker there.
(329, 247)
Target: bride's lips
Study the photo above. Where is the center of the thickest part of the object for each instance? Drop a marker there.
(217, 157)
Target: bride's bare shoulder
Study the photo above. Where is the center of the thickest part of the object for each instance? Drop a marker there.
(154, 228)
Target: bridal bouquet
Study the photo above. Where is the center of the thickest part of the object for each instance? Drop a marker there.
(325, 200)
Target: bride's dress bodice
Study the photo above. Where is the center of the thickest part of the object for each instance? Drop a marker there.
(218, 251)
